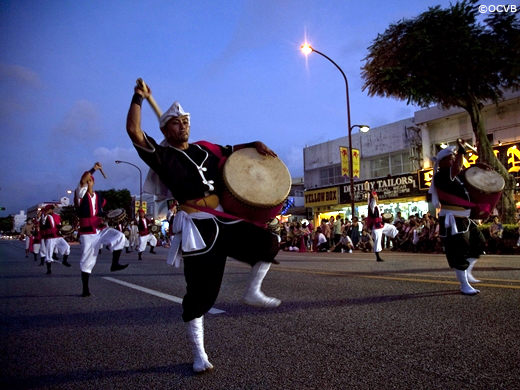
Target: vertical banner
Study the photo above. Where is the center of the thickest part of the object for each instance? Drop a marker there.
(344, 156)
(356, 163)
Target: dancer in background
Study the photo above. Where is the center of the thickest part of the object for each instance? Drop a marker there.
(93, 230)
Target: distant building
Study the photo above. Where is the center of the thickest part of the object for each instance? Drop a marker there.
(19, 220)
(396, 159)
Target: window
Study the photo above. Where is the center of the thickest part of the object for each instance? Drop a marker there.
(331, 175)
(390, 164)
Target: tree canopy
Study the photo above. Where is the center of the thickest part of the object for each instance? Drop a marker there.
(446, 57)
(451, 58)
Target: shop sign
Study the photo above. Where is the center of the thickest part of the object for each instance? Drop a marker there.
(397, 186)
(425, 177)
(321, 197)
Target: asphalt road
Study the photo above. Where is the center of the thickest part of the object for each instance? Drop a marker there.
(346, 322)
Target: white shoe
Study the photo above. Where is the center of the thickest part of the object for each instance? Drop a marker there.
(350, 251)
(195, 331)
(252, 295)
(465, 287)
(469, 271)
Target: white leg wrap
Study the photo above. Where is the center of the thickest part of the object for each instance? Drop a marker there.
(195, 331)
(253, 296)
(469, 271)
(465, 287)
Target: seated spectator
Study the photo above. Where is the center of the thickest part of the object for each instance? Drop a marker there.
(366, 242)
(322, 244)
(344, 244)
(495, 236)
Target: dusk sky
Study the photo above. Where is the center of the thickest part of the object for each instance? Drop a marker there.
(68, 69)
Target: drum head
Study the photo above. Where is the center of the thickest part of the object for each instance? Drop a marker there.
(66, 230)
(114, 214)
(487, 182)
(387, 217)
(154, 228)
(257, 180)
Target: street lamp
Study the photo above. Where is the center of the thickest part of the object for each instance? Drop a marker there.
(140, 180)
(306, 49)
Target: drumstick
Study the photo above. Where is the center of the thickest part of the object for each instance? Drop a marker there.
(103, 173)
(142, 85)
(468, 146)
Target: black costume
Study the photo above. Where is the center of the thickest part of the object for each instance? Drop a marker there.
(193, 174)
(468, 242)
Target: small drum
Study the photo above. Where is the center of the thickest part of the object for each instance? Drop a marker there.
(115, 217)
(387, 217)
(154, 229)
(256, 186)
(485, 189)
(126, 232)
(67, 231)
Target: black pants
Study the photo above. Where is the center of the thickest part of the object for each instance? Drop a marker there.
(459, 247)
(203, 270)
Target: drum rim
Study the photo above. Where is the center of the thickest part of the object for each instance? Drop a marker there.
(123, 212)
(472, 185)
(237, 196)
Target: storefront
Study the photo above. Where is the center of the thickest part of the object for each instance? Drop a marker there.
(322, 203)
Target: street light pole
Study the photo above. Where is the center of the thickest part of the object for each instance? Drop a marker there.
(308, 49)
(140, 180)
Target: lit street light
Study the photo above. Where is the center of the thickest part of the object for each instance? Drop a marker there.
(306, 49)
(140, 180)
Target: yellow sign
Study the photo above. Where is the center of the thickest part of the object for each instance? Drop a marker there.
(425, 178)
(323, 197)
(344, 156)
(514, 160)
(138, 206)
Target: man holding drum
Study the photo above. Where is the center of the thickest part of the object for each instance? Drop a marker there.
(462, 239)
(93, 231)
(191, 173)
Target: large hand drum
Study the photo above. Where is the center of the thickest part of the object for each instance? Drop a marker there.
(485, 189)
(256, 185)
(117, 216)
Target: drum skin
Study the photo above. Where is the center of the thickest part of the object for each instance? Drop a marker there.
(255, 185)
(387, 217)
(485, 188)
(116, 216)
(67, 230)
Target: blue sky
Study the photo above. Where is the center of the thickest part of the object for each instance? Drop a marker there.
(67, 71)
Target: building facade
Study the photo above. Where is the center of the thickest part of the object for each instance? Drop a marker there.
(396, 160)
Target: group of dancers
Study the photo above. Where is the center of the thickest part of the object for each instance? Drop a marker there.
(204, 237)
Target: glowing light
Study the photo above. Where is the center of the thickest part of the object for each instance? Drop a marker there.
(306, 49)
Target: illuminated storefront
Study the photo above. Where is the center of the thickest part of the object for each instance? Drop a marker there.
(399, 193)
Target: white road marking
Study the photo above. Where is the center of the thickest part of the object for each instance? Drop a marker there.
(156, 293)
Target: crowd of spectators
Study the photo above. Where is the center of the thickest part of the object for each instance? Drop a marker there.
(337, 234)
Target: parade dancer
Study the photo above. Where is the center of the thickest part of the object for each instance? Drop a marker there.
(191, 173)
(462, 239)
(145, 235)
(375, 222)
(93, 231)
(49, 227)
(26, 235)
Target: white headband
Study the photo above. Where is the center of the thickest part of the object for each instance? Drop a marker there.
(450, 150)
(174, 111)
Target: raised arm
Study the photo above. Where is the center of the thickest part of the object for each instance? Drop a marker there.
(133, 119)
(456, 168)
(87, 175)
